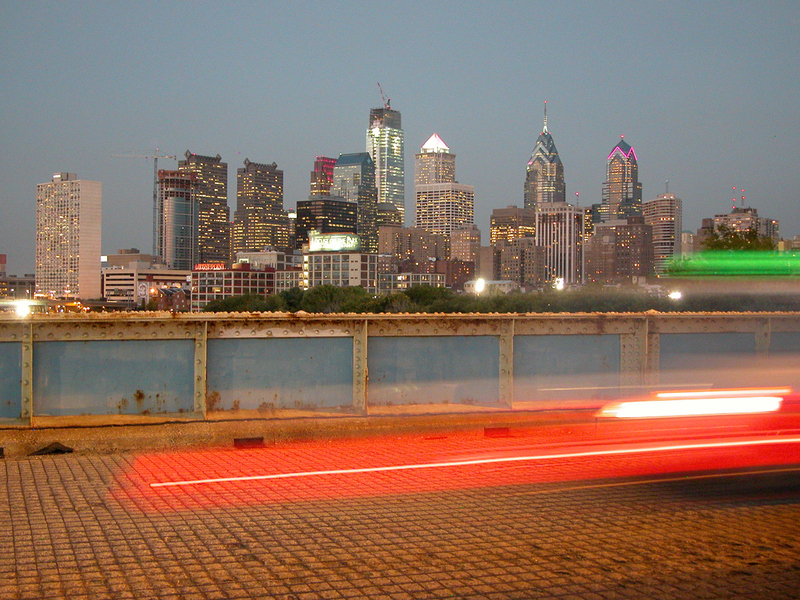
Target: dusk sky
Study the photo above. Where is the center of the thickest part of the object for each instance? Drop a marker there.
(708, 94)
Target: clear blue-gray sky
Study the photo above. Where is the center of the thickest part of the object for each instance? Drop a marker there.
(708, 93)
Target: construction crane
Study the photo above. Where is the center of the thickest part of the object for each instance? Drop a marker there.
(154, 158)
(387, 102)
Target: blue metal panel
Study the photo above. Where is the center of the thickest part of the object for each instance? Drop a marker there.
(265, 374)
(701, 360)
(784, 341)
(10, 377)
(113, 377)
(566, 367)
(433, 370)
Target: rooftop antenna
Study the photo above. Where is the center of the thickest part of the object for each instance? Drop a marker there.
(666, 188)
(544, 130)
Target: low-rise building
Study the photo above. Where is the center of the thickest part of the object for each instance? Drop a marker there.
(390, 283)
(217, 282)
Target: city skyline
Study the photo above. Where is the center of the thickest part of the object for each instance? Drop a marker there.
(704, 85)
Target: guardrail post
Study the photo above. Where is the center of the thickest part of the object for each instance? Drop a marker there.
(506, 391)
(200, 368)
(360, 370)
(26, 381)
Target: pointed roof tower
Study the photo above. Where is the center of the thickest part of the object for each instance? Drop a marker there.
(435, 144)
(544, 181)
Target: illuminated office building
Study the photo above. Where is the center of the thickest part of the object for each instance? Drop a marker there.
(354, 180)
(177, 219)
(386, 147)
(664, 214)
(544, 182)
(325, 214)
(213, 214)
(68, 226)
(622, 191)
(322, 176)
(259, 221)
(559, 231)
(442, 204)
(511, 223)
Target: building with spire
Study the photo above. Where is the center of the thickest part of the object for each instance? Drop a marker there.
(622, 191)
(386, 147)
(442, 204)
(213, 215)
(544, 182)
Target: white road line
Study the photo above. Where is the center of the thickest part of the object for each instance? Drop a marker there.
(483, 461)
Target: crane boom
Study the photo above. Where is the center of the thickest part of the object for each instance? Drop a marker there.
(387, 102)
(154, 158)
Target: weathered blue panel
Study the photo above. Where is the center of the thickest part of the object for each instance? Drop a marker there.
(10, 380)
(566, 367)
(434, 370)
(295, 373)
(113, 377)
(702, 360)
(782, 342)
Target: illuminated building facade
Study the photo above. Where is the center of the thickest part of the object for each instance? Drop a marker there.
(68, 230)
(465, 244)
(177, 219)
(559, 231)
(544, 182)
(213, 214)
(442, 204)
(620, 251)
(522, 261)
(745, 218)
(260, 221)
(341, 269)
(322, 176)
(386, 146)
(622, 191)
(511, 223)
(326, 214)
(664, 214)
(354, 180)
(218, 282)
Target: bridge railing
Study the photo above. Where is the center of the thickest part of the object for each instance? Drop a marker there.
(132, 368)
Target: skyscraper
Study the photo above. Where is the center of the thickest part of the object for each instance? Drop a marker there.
(511, 223)
(354, 180)
(68, 230)
(259, 220)
(177, 219)
(622, 191)
(386, 146)
(442, 204)
(326, 214)
(322, 176)
(664, 214)
(544, 182)
(213, 213)
(559, 231)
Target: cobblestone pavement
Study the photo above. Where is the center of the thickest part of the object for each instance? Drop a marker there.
(90, 527)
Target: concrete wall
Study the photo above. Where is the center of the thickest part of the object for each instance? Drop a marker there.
(68, 370)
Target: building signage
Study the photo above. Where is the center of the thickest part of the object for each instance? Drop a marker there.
(209, 267)
(333, 242)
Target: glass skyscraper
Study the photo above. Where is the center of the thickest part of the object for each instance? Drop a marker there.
(354, 180)
(177, 219)
(386, 147)
(544, 182)
(622, 191)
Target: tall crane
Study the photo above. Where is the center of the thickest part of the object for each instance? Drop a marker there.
(387, 102)
(154, 158)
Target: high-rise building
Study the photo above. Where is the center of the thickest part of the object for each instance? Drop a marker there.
(622, 191)
(386, 147)
(465, 244)
(620, 251)
(213, 213)
(442, 204)
(511, 223)
(744, 218)
(544, 182)
(664, 214)
(68, 231)
(559, 231)
(523, 262)
(326, 214)
(322, 176)
(259, 221)
(177, 219)
(354, 180)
